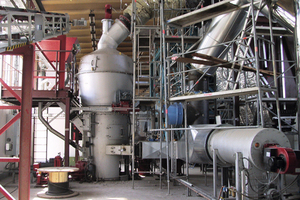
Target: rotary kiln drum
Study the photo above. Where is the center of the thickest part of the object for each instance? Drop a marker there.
(101, 75)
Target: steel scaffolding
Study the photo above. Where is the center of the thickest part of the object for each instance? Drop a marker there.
(249, 88)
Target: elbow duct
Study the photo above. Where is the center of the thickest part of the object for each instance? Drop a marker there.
(119, 31)
(112, 37)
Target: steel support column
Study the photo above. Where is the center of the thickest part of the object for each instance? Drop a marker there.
(25, 136)
(67, 132)
(62, 63)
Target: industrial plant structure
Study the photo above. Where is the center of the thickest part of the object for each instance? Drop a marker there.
(164, 86)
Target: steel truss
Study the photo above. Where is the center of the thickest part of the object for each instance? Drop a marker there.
(21, 27)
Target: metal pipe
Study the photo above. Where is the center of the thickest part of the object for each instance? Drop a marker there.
(163, 29)
(274, 69)
(161, 111)
(51, 129)
(259, 94)
(67, 133)
(215, 172)
(133, 92)
(238, 158)
(186, 147)
(204, 128)
(297, 52)
(282, 70)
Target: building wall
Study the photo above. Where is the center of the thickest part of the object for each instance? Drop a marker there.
(45, 140)
(2, 141)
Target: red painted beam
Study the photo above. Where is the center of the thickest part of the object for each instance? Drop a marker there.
(62, 62)
(25, 129)
(67, 132)
(9, 159)
(8, 124)
(10, 107)
(5, 193)
(10, 90)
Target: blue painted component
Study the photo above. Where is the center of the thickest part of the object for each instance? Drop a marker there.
(175, 114)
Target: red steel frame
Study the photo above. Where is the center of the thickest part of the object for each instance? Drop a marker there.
(62, 63)
(25, 114)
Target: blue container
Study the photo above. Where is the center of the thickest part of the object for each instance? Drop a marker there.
(175, 114)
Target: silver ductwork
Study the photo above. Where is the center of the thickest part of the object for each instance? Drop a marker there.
(227, 141)
(112, 37)
(222, 29)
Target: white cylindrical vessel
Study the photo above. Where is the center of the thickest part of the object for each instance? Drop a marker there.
(111, 129)
(227, 142)
(102, 75)
(249, 142)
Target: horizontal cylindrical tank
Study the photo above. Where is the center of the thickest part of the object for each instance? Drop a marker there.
(249, 142)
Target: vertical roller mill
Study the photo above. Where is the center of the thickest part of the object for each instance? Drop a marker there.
(103, 76)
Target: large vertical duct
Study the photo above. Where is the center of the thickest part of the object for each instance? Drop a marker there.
(102, 74)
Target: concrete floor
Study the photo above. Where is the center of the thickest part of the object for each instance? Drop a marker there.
(145, 189)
